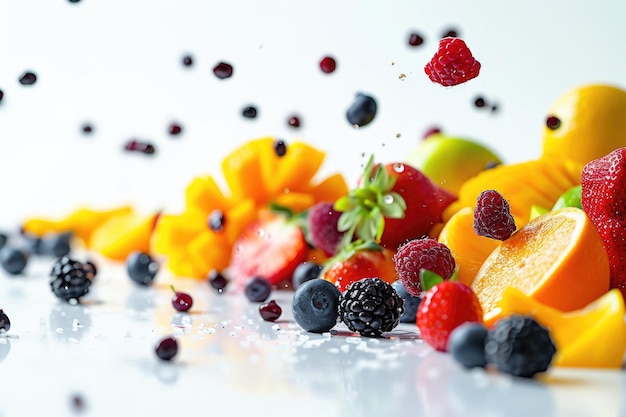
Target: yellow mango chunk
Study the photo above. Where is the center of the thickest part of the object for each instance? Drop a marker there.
(121, 235)
(592, 337)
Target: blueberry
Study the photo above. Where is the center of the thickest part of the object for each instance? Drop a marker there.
(5, 323)
(315, 305)
(33, 244)
(467, 344)
(411, 303)
(13, 260)
(304, 272)
(3, 239)
(141, 268)
(57, 245)
(362, 110)
(258, 289)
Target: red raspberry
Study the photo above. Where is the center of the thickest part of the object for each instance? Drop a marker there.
(419, 254)
(492, 216)
(452, 64)
(322, 225)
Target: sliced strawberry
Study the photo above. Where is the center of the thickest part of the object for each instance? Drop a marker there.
(271, 248)
(358, 261)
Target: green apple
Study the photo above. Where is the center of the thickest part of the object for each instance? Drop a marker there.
(450, 161)
(570, 198)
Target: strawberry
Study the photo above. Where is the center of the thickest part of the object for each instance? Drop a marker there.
(603, 198)
(393, 204)
(452, 64)
(445, 307)
(357, 261)
(271, 248)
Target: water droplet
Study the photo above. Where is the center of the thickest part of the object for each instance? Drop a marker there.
(388, 199)
(399, 168)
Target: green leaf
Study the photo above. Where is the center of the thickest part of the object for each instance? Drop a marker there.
(429, 279)
(277, 208)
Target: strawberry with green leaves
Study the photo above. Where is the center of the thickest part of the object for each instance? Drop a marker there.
(393, 204)
(603, 198)
(357, 261)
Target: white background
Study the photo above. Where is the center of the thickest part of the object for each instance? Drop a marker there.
(117, 64)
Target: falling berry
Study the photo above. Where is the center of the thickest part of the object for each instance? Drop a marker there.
(217, 281)
(280, 147)
(1, 95)
(223, 70)
(480, 102)
(294, 121)
(270, 311)
(175, 129)
(166, 348)
(216, 220)
(77, 401)
(249, 112)
(137, 146)
(181, 300)
(362, 110)
(187, 60)
(431, 131)
(87, 128)
(450, 33)
(28, 78)
(74, 1)
(415, 39)
(328, 64)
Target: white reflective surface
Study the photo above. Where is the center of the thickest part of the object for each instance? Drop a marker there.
(231, 361)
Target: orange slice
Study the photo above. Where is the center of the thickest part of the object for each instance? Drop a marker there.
(557, 259)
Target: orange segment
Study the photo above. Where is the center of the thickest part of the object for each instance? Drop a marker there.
(203, 193)
(243, 173)
(468, 249)
(557, 259)
(296, 168)
(592, 337)
(330, 189)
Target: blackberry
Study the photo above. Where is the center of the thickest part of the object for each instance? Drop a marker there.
(520, 346)
(370, 307)
(69, 279)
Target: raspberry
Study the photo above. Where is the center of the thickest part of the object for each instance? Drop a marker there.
(492, 216)
(419, 254)
(322, 224)
(452, 64)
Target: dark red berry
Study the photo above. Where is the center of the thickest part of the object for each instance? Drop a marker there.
(166, 348)
(294, 121)
(137, 146)
(431, 131)
(280, 147)
(187, 60)
(77, 401)
(492, 216)
(223, 70)
(87, 128)
(249, 112)
(270, 311)
(328, 64)
(480, 102)
(175, 129)
(216, 220)
(553, 122)
(5, 323)
(450, 33)
(28, 78)
(415, 39)
(181, 300)
(217, 281)
(1, 95)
